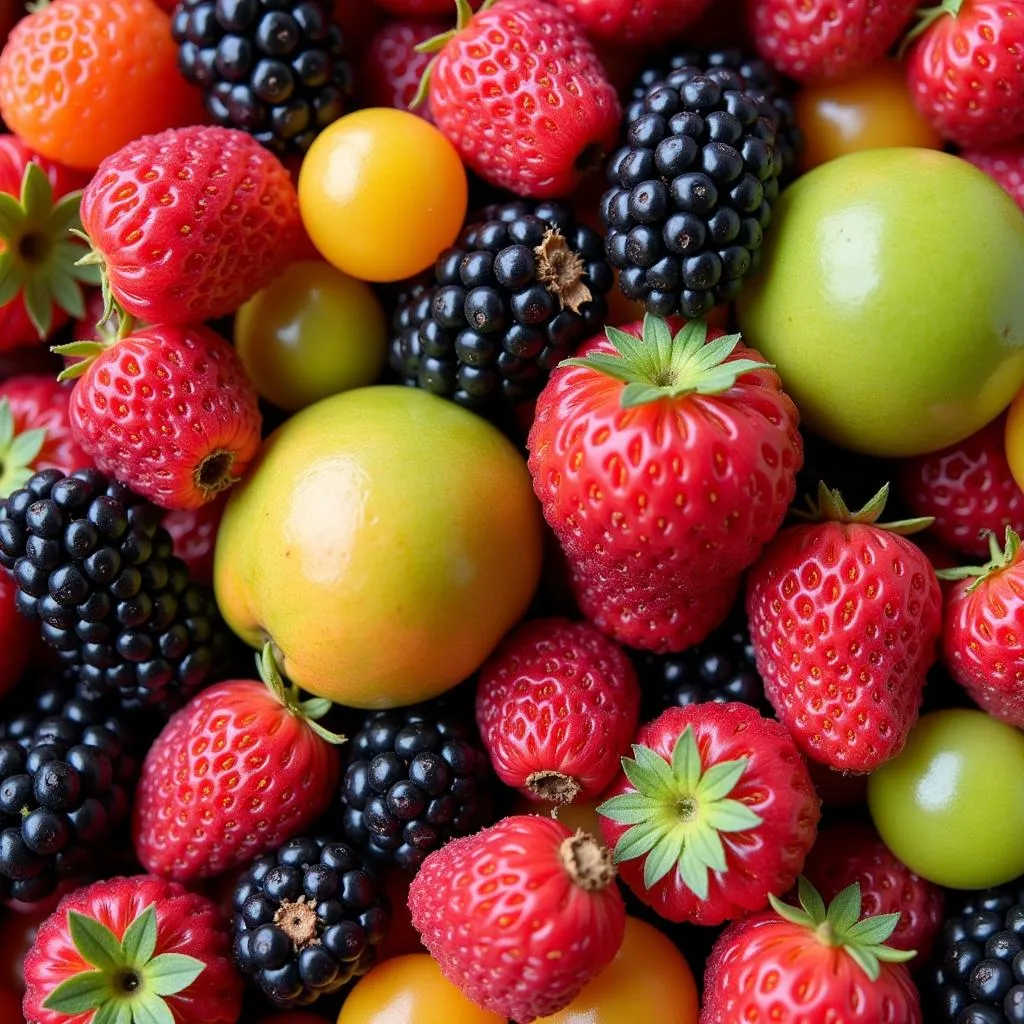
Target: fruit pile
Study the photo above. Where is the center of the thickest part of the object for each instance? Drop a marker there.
(511, 511)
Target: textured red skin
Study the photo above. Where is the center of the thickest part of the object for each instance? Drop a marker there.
(194, 531)
(775, 785)
(191, 222)
(38, 402)
(232, 775)
(493, 907)
(966, 73)
(521, 95)
(1004, 165)
(186, 923)
(968, 488)
(418, 8)
(765, 969)
(635, 22)
(151, 408)
(844, 619)
(392, 69)
(16, 636)
(557, 696)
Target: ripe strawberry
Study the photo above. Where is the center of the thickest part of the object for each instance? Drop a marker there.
(809, 966)
(132, 949)
(194, 532)
(1004, 165)
(844, 617)
(966, 70)
(525, 895)
(557, 704)
(393, 68)
(811, 40)
(189, 224)
(519, 91)
(663, 467)
(968, 489)
(168, 411)
(714, 812)
(650, 23)
(241, 768)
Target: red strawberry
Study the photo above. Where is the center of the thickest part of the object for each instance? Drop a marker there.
(17, 636)
(811, 40)
(141, 948)
(194, 532)
(168, 411)
(392, 67)
(852, 852)
(520, 916)
(190, 223)
(240, 769)
(557, 704)
(519, 91)
(968, 489)
(650, 23)
(810, 966)
(714, 812)
(844, 617)
(663, 467)
(966, 70)
(1004, 165)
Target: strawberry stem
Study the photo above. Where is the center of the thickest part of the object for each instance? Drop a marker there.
(463, 17)
(309, 710)
(926, 17)
(589, 863)
(830, 506)
(1000, 558)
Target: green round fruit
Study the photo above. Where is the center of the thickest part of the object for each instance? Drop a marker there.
(890, 300)
(951, 805)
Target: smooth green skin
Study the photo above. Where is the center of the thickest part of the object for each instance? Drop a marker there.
(951, 805)
(890, 299)
(311, 333)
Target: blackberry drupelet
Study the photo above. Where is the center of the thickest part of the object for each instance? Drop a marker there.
(307, 920)
(520, 289)
(417, 778)
(412, 308)
(93, 564)
(692, 194)
(273, 68)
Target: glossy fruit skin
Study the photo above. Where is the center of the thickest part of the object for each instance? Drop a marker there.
(370, 210)
(159, 405)
(77, 79)
(230, 226)
(194, 532)
(849, 248)
(966, 73)
(1004, 165)
(309, 334)
(775, 785)
(392, 69)
(186, 923)
(475, 903)
(254, 773)
(533, 135)
(959, 777)
(650, 23)
(16, 636)
(342, 511)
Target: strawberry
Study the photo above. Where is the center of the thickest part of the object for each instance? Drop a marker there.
(967, 489)
(520, 916)
(649, 23)
(966, 70)
(663, 466)
(241, 768)
(189, 224)
(557, 704)
(809, 40)
(520, 93)
(393, 68)
(714, 812)
(194, 532)
(844, 617)
(132, 949)
(852, 852)
(1004, 165)
(168, 411)
(810, 966)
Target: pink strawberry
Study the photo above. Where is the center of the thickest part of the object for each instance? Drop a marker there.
(194, 532)
(1005, 166)
(649, 23)
(393, 68)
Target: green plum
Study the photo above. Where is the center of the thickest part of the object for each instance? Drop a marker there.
(890, 300)
(951, 805)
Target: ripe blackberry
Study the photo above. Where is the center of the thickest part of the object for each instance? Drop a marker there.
(412, 308)
(308, 918)
(519, 290)
(94, 566)
(417, 778)
(692, 194)
(273, 68)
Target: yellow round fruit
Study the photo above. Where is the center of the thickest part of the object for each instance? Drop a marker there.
(1014, 438)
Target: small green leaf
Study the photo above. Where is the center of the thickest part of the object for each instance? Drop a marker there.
(76, 349)
(65, 216)
(80, 993)
(6, 424)
(635, 394)
(844, 910)
(26, 447)
(721, 779)
(315, 707)
(811, 901)
(603, 362)
(707, 845)
(171, 973)
(873, 931)
(694, 872)
(39, 303)
(11, 277)
(654, 766)
(638, 840)
(67, 293)
(36, 192)
(140, 939)
(151, 1009)
(715, 352)
(731, 816)
(629, 808)
(12, 218)
(663, 858)
(893, 956)
(117, 1011)
(686, 762)
(95, 942)
(865, 960)
(792, 914)
(334, 738)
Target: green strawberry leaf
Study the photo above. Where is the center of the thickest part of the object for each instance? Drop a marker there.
(95, 942)
(831, 507)
(171, 973)
(731, 816)
(80, 994)
(637, 841)
(139, 939)
(686, 766)
(664, 857)
(113, 1013)
(628, 808)
(720, 779)
(694, 872)
(844, 911)
(811, 901)
(151, 1010)
(308, 710)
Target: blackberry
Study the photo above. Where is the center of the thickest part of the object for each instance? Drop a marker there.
(692, 195)
(520, 289)
(93, 564)
(307, 920)
(273, 68)
(412, 308)
(417, 778)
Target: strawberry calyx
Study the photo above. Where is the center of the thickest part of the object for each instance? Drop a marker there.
(17, 451)
(660, 364)
(926, 17)
(85, 353)
(830, 506)
(310, 710)
(841, 926)
(678, 813)
(128, 983)
(1000, 558)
